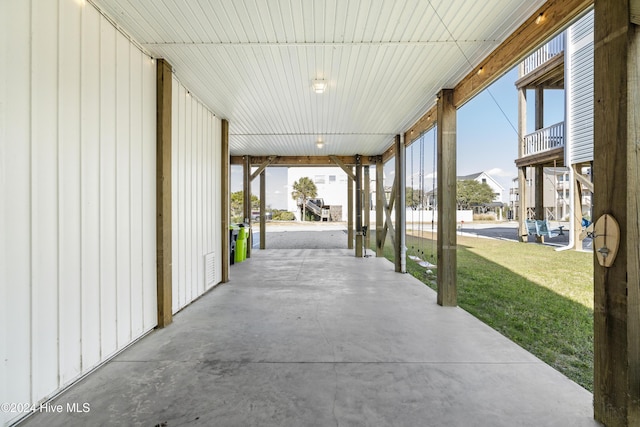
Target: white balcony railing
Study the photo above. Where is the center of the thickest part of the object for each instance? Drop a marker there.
(543, 54)
(544, 139)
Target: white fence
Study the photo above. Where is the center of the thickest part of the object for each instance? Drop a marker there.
(427, 216)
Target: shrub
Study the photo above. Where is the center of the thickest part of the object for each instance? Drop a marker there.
(484, 217)
(279, 215)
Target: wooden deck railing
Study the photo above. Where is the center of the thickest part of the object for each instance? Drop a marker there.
(543, 54)
(544, 139)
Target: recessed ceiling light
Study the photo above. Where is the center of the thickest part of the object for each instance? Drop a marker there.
(320, 143)
(319, 86)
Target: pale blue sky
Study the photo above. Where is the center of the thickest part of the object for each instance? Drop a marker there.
(486, 141)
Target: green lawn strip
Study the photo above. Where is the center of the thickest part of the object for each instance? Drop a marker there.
(539, 298)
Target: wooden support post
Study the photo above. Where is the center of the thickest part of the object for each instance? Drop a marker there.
(263, 205)
(447, 261)
(540, 214)
(522, 171)
(367, 206)
(359, 237)
(347, 169)
(263, 166)
(246, 193)
(576, 215)
(401, 212)
(617, 193)
(163, 192)
(522, 207)
(539, 113)
(380, 202)
(539, 169)
(349, 213)
(225, 195)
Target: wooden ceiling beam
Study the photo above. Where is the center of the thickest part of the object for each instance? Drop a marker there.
(426, 122)
(389, 153)
(556, 14)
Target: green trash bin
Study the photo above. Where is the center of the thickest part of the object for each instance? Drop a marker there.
(241, 244)
(234, 230)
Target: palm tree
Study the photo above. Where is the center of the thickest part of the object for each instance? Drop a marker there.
(303, 190)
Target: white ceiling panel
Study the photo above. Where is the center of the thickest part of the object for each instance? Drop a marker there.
(253, 62)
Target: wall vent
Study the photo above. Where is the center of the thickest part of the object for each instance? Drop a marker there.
(209, 269)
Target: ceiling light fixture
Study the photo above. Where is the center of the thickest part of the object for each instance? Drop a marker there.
(540, 18)
(319, 86)
(320, 143)
(480, 70)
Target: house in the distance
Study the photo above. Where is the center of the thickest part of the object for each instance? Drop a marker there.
(484, 178)
(331, 183)
(496, 204)
(556, 198)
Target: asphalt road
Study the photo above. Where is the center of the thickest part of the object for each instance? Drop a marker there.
(510, 232)
(333, 235)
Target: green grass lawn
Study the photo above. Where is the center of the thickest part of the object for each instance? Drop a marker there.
(537, 297)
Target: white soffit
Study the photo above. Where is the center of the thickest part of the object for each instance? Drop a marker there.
(253, 62)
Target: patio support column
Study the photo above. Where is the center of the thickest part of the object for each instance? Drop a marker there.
(359, 237)
(539, 178)
(539, 108)
(380, 199)
(576, 215)
(447, 261)
(540, 214)
(367, 206)
(349, 213)
(617, 193)
(263, 204)
(163, 193)
(246, 193)
(401, 212)
(522, 171)
(225, 199)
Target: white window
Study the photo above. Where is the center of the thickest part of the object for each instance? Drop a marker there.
(319, 179)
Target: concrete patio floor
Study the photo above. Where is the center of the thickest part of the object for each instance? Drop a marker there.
(306, 337)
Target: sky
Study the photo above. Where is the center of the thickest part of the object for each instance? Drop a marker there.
(487, 141)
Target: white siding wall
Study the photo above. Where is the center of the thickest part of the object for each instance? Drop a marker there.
(196, 207)
(77, 184)
(579, 90)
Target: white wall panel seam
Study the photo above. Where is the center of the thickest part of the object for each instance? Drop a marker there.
(43, 192)
(4, 279)
(116, 170)
(31, 208)
(198, 187)
(99, 199)
(80, 183)
(183, 191)
(130, 199)
(194, 200)
(174, 190)
(58, 196)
